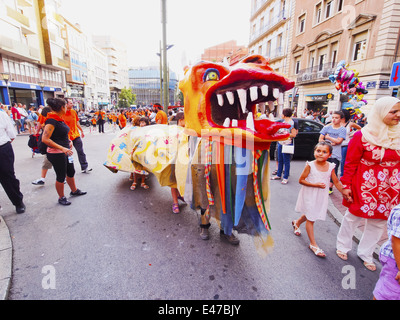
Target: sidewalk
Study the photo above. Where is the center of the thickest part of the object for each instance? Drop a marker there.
(5, 260)
(336, 210)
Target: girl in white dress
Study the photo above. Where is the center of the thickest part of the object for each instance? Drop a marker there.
(312, 201)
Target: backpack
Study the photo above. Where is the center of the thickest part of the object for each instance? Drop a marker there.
(41, 145)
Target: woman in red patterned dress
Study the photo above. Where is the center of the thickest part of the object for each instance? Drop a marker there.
(372, 179)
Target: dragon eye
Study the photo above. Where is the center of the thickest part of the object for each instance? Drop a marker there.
(211, 75)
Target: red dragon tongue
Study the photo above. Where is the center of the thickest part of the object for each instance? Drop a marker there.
(269, 127)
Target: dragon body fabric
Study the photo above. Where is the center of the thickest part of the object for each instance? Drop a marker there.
(220, 160)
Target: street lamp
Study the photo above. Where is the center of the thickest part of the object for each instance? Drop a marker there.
(41, 85)
(6, 77)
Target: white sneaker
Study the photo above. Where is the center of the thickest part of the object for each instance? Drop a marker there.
(87, 170)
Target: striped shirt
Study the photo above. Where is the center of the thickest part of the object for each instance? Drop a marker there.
(393, 231)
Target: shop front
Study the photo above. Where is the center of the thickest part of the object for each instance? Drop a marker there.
(318, 102)
(30, 95)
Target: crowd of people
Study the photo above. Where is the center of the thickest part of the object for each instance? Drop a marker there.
(367, 152)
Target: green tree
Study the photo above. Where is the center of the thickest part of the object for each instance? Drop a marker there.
(126, 98)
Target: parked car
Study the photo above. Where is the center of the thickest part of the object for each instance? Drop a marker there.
(305, 141)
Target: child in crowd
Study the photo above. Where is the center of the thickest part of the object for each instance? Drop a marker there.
(94, 124)
(140, 173)
(313, 197)
(388, 285)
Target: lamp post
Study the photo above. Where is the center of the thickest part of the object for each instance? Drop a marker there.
(161, 72)
(6, 77)
(41, 85)
(164, 53)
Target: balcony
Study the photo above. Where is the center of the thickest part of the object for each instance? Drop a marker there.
(276, 54)
(317, 73)
(18, 16)
(272, 25)
(17, 48)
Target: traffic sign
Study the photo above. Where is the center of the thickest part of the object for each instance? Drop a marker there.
(395, 76)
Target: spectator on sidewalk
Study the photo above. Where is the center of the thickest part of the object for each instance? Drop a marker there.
(335, 134)
(8, 180)
(16, 117)
(371, 178)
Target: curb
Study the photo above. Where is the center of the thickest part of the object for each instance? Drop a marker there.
(337, 217)
(5, 259)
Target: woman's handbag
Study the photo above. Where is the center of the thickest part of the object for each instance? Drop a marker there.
(288, 148)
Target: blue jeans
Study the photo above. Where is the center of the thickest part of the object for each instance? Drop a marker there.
(344, 154)
(283, 161)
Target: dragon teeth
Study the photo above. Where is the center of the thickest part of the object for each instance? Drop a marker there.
(250, 121)
(234, 123)
(243, 99)
(231, 97)
(265, 90)
(227, 123)
(276, 93)
(220, 98)
(253, 93)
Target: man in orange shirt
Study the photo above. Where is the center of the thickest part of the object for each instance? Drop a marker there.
(161, 116)
(72, 120)
(100, 118)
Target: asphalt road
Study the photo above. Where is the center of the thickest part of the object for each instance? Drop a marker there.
(115, 244)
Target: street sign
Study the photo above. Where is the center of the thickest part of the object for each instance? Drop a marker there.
(395, 76)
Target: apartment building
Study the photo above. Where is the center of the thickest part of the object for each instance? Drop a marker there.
(78, 55)
(364, 33)
(229, 50)
(271, 26)
(116, 52)
(32, 45)
(97, 88)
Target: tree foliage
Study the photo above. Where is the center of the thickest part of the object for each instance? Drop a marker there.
(126, 98)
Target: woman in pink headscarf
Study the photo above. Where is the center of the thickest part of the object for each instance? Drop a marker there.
(372, 179)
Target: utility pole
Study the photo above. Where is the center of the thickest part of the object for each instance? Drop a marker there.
(164, 53)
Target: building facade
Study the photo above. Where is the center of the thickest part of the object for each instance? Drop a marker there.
(271, 24)
(224, 50)
(117, 64)
(146, 82)
(363, 33)
(32, 45)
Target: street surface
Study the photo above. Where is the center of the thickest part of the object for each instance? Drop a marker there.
(117, 244)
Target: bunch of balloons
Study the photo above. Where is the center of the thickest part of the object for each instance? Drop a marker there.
(347, 81)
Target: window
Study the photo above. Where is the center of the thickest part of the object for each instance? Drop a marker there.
(297, 67)
(318, 13)
(334, 55)
(328, 9)
(322, 60)
(311, 65)
(302, 23)
(359, 50)
(269, 45)
(340, 5)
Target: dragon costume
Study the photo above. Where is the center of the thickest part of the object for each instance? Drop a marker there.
(220, 160)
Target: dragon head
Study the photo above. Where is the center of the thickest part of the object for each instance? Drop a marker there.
(220, 101)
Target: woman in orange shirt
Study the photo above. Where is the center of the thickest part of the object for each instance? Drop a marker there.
(122, 121)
